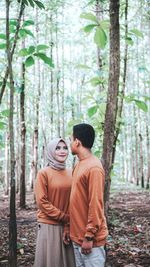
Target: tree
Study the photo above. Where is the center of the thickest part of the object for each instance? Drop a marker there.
(112, 96)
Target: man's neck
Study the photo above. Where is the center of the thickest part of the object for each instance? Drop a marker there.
(84, 153)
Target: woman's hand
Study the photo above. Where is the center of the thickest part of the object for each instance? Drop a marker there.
(66, 238)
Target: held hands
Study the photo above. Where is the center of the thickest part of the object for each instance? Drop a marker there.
(87, 246)
(66, 238)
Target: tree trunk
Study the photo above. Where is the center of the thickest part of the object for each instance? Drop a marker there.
(23, 139)
(122, 93)
(111, 107)
(141, 162)
(7, 164)
(4, 82)
(12, 220)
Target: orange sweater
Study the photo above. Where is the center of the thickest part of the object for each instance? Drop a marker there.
(86, 202)
(52, 192)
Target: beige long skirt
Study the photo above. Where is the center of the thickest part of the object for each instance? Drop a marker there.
(50, 249)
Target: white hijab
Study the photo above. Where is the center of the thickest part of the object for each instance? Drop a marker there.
(50, 155)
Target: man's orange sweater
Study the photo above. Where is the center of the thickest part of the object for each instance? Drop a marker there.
(86, 202)
(52, 195)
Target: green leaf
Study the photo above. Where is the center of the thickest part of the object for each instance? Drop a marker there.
(89, 28)
(129, 41)
(39, 4)
(141, 104)
(25, 32)
(28, 23)
(100, 38)
(95, 81)
(137, 33)
(31, 3)
(13, 22)
(3, 36)
(3, 46)
(29, 32)
(89, 16)
(29, 61)
(5, 112)
(42, 47)
(2, 125)
(24, 52)
(47, 60)
(25, 2)
(31, 49)
(105, 24)
(92, 111)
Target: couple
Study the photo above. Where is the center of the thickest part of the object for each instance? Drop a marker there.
(71, 208)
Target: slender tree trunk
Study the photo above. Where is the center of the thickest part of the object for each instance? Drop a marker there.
(51, 81)
(122, 93)
(141, 161)
(111, 107)
(4, 82)
(12, 220)
(7, 164)
(23, 139)
(57, 82)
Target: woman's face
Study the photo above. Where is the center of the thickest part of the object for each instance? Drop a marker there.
(61, 152)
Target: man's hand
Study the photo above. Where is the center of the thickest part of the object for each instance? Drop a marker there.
(66, 238)
(86, 247)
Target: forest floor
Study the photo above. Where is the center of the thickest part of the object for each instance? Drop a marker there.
(128, 243)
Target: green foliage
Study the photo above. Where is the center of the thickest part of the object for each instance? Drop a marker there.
(92, 110)
(24, 32)
(3, 46)
(33, 3)
(83, 66)
(100, 37)
(139, 103)
(28, 23)
(3, 36)
(47, 60)
(41, 47)
(29, 61)
(89, 16)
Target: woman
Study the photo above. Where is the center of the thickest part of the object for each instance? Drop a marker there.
(52, 190)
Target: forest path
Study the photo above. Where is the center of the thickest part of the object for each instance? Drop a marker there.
(129, 234)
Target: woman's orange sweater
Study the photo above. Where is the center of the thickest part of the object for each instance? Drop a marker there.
(52, 192)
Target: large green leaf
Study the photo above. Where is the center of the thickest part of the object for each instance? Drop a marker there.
(28, 23)
(29, 61)
(141, 104)
(42, 47)
(31, 49)
(5, 113)
(24, 52)
(3, 46)
(129, 40)
(2, 125)
(100, 38)
(47, 60)
(39, 4)
(137, 33)
(31, 3)
(25, 32)
(89, 28)
(89, 16)
(95, 81)
(3, 36)
(92, 111)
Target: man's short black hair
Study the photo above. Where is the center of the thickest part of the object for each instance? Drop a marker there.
(85, 133)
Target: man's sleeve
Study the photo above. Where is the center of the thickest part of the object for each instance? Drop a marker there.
(95, 181)
(42, 200)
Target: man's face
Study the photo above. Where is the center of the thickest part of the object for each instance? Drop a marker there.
(73, 145)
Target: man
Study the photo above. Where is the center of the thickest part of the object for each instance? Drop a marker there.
(88, 229)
